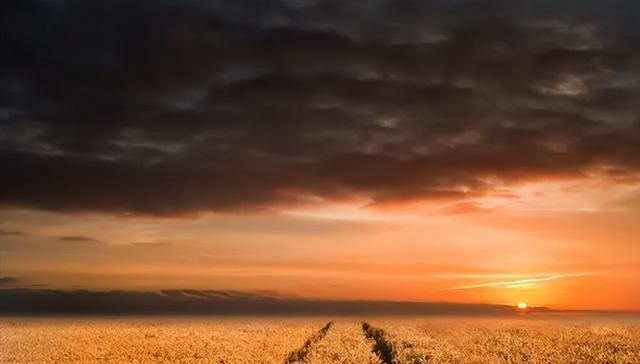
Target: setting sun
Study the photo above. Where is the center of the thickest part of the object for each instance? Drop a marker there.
(522, 305)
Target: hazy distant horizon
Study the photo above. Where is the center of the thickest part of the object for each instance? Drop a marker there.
(51, 302)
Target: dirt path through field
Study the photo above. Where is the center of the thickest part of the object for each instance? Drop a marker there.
(300, 355)
(343, 344)
(382, 346)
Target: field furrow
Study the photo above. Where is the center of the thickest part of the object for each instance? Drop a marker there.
(382, 346)
(190, 340)
(301, 354)
(344, 344)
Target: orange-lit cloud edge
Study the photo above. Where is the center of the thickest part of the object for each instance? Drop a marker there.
(561, 244)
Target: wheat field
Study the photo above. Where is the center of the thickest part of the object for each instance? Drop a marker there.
(317, 341)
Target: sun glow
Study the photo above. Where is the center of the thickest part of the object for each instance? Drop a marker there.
(522, 305)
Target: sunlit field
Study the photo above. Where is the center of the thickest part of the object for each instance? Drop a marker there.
(304, 340)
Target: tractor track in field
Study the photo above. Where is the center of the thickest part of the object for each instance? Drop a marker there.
(384, 348)
(300, 354)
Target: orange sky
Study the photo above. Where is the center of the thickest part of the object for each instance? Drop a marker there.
(559, 244)
(470, 151)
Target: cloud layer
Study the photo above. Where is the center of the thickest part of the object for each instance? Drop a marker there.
(189, 301)
(174, 107)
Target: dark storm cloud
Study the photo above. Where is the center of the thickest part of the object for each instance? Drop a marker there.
(83, 302)
(167, 107)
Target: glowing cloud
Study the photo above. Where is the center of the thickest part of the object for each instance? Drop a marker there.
(521, 282)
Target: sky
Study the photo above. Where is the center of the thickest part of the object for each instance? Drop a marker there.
(469, 151)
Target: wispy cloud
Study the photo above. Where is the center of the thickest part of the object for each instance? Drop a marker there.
(10, 233)
(147, 243)
(521, 282)
(81, 239)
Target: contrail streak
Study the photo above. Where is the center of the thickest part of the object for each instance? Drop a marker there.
(522, 281)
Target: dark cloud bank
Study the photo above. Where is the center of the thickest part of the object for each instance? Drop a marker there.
(9, 281)
(21, 301)
(171, 107)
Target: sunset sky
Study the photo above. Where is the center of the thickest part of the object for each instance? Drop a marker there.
(474, 151)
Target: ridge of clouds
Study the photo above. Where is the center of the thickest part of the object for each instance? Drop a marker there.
(171, 108)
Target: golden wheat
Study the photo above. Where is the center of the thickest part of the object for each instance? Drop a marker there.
(343, 344)
(186, 340)
(272, 341)
(513, 341)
